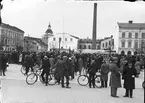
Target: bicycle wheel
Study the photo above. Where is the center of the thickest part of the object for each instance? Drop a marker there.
(31, 78)
(51, 79)
(40, 78)
(98, 81)
(83, 80)
(23, 69)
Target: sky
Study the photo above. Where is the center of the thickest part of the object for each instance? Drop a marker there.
(74, 17)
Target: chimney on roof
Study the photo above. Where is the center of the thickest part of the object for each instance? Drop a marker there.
(130, 21)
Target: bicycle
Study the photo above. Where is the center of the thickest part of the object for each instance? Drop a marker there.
(23, 68)
(83, 80)
(33, 77)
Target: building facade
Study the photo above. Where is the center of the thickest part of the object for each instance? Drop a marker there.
(62, 41)
(87, 44)
(32, 44)
(107, 43)
(131, 37)
(11, 38)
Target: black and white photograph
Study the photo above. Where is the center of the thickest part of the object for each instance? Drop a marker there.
(72, 51)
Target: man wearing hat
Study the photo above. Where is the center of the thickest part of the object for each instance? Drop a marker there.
(115, 79)
(46, 69)
(129, 74)
(104, 74)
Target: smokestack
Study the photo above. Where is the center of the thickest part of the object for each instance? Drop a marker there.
(94, 26)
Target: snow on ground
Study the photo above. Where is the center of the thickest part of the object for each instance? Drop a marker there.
(15, 90)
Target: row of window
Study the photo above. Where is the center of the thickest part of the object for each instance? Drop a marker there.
(130, 35)
(11, 34)
(66, 39)
(106, 44)
(84, 47)
(129, 44)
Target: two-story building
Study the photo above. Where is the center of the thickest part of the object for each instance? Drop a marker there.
(32, 44)
(107, 43)
(62, 41)
(131, 37)
(87, 44)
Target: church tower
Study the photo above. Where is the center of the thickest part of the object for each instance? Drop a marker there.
(48, 33)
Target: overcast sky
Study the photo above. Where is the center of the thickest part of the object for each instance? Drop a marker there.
(76, 18)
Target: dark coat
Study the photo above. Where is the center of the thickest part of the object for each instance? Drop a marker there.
(115, 79)
(61, 67)
(3, 62)
(46, 65)
(104, 72)
(129, 80)
(93, 68)
(29, 61)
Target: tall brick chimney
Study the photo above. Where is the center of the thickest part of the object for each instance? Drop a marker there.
(94, 26)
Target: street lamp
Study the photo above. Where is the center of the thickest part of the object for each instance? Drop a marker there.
(59, 43)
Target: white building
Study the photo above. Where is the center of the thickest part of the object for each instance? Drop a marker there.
(62, 41)
(107, 43)
(131, 37)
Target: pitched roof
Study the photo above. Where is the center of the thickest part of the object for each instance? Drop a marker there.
(74, 37)
(38, 40)
(11, 27)
(132, 25)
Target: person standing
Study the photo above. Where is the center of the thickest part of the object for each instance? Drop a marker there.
(129, 74)
(115, 79)
(46, 69)
(104, 74)
(92, 71)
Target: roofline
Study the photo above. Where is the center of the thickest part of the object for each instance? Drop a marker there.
(13, 27)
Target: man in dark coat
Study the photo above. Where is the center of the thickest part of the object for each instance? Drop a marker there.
(129, 74)
(104, 74)
(29, 63)
(92, 71)
(115, 79)
(62, 71)
(46, 69)
(3, 64)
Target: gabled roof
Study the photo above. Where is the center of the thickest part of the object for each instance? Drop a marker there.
(11, 27)
(132, 25)
(38, 40)
(74, 37)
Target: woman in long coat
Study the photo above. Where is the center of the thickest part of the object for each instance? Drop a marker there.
(115, 79)
(129, 74)
(104, 74)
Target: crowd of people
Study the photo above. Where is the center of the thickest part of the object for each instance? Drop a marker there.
(66, 65)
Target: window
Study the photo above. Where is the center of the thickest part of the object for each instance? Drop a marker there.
(130, 35)
(103, 45)
(106, 44)
(109, 43)
(65, 39)
(136, 45)
(123, 44)
(53, 39)
(129, 44)
(80, 46)
(143, 35)
(123, 34)
(71, 39)
(84, 46)
(89, 46)
(136, 35)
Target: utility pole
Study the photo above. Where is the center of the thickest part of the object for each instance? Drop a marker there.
(1, 6)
